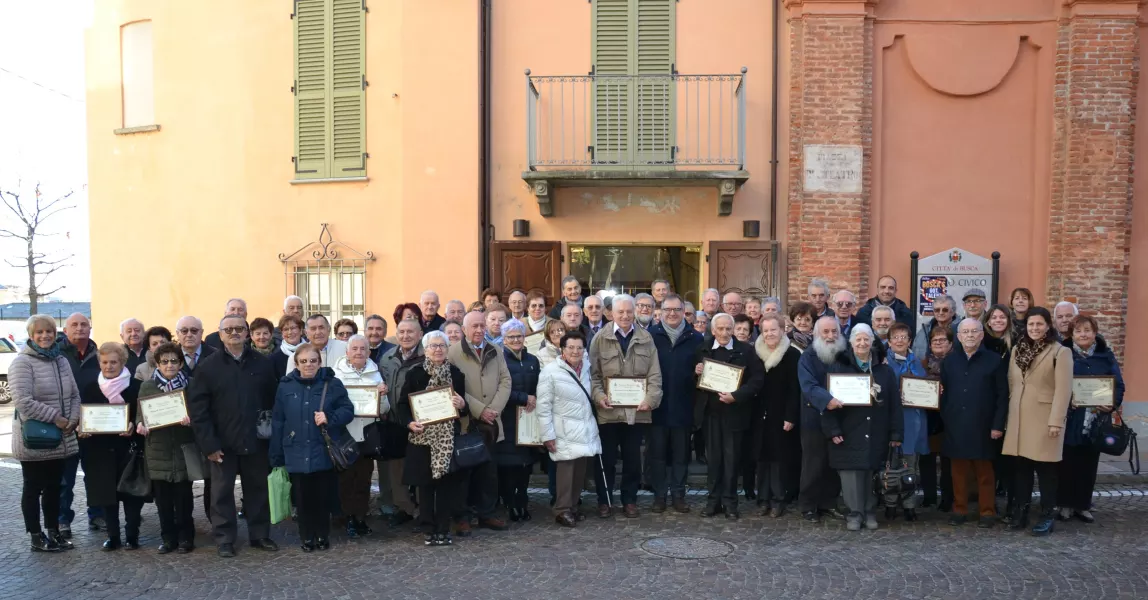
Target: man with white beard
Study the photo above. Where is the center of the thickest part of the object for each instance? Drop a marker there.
(644, 306)
(820, 485)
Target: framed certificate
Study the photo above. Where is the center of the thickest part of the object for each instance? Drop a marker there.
(433, 406)
(534, 342)
(720, 377)
(851, 389)
(1094, 391)
(100, 419)
(626, 392)
(366, 400)
(163, 410)
(920, 392)
(529, 431)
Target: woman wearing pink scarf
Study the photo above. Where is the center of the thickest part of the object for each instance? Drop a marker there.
(105, 456)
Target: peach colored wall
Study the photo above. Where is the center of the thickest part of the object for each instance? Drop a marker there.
(712, 37)
(961, 135)
(186, 217)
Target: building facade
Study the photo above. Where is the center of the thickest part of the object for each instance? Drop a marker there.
(357, 152)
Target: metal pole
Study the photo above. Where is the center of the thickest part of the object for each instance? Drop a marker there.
(996, 275)
(913, 256)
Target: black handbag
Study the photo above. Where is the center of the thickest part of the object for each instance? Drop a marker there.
(134, 481)
(343, 451)
(896, 481)
(384, 440)
(1111, 436)
(469, 451)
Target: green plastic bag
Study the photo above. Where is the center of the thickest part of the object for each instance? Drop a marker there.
(279, 492)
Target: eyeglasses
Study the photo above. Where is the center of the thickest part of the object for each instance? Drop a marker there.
(969, 331)
(646, 306)
(671, 310)
(171, 361)
(439, 346)
(942, 311)
(900, 338)
(974, 300)
(187, 330)
(846, 304)
(939, 342)
(233, 330)
(308, 361)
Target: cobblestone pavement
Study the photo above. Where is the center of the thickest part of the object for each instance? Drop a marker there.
(763, 558)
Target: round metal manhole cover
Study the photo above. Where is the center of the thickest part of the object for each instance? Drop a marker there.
(686, 547)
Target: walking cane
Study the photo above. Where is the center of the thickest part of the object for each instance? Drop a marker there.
(602, 470)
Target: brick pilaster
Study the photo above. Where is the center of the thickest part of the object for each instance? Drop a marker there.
(1090, 230)
(831, 103)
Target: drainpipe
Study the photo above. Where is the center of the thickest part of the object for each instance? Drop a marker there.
(485, 229)
(773, 126)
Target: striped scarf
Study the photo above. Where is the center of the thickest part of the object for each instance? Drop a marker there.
(167, 385)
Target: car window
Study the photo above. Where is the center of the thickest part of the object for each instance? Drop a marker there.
(6, 347)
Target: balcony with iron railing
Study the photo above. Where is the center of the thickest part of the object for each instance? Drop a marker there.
(635, 130)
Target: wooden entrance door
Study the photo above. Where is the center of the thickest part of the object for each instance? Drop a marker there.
(745, 267)
(526, 266)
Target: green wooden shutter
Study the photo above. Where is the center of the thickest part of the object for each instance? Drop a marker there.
(612, 51)
(311, 90)
(348, 131)
(654, 64)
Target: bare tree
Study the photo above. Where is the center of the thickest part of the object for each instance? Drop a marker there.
(32, 216)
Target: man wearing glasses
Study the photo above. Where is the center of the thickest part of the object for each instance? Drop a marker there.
(732, 304)
(644, 310)
(974, 301)
(189, 334)
(944, 313)
(225, 397)
(844, 303)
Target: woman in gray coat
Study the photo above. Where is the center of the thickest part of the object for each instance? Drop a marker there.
(43, 390)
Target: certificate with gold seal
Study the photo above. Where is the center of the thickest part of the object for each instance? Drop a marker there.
(1094, 391)
(365, 399)
(626, 392)
(720, 377)
(850, 389)
(920, 392)
(104, 419)
(435, 405)
(163, 410)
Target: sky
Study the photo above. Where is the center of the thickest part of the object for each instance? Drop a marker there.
(42, 131)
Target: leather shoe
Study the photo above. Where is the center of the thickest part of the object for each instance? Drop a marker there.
(185, 548)
(579, 516)
(1045, 526)
(462, 528)
(323, 544)
(165, 548)
(986, 522)
(777, 511)
(307, 546)
(910, 514)
(631, 511)
(226, 551)
(732, 515)
(957, 520)
(659, 505)
(494, 524)
(566, 520)
(811, 516)
(267, 544)
(111, 544)
(604, 511)
(711, 510)
(680, 505)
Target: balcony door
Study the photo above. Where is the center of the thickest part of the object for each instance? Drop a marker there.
(633, 57)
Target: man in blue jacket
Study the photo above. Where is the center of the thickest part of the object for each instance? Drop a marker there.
(819, 483)
(669, 442)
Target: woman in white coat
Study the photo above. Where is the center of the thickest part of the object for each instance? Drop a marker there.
(569, 428)
(357, 369)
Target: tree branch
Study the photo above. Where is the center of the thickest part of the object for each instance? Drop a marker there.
(49, 293)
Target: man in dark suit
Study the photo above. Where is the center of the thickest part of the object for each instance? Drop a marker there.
(375, 329)
(189, 334)
(235, 306)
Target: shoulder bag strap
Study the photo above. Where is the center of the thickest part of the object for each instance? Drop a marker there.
(323, 396)
(580, 386)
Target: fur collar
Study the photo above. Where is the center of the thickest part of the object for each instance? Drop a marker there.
(771, 359)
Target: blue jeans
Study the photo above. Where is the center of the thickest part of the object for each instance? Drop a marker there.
(67, 482)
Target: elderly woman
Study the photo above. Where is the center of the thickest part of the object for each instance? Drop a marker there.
(776, 435)
(514, 461)
(862, 435)
(453, 331)
(105, 457)
(428, 460)
(802, 315)
(489, 298)
(263, 336)
(1040, 387)
(536, 317)
(357, 369)
(345, 328)
(999, 330)
(1091, 357)
(916, 439)
(165, 458)
(1020, 301)
(701, 322)
(550, 342)
(291, 327)
(569, 428)
(940, 343)
(154, 336)
(43, 391)
(309, 399)
(743, 327)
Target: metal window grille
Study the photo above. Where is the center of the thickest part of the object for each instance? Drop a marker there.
(330, 277)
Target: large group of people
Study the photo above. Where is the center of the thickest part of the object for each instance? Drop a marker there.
(262, 395)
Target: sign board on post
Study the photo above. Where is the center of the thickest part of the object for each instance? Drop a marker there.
(953, 272)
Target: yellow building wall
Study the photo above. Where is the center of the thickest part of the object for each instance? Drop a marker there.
(186, 217)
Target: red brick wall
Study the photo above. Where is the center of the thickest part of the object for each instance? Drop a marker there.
(1097, 70)
(831, 102)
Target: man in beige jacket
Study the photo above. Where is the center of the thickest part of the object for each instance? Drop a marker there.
(623, 350)
(487, 391)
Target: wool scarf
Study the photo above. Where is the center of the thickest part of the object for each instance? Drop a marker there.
(675, 333)
(169, 385)
(112, 388)
(52, 352)
(1027, 350)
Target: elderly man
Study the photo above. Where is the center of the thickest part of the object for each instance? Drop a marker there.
(673, 421)
(77, 346)
(944, 313)
(1062, 315)
(886, 296)
(732, 305)
(771, 305)
(132, 335)
(659, 289)
(975, 303)
(728, 415)
(644, 307)
(487, 392)
(455, 311)
(517, 305)
(494, 318)
(571, 294)
(571, 317)
(234, 306)
(820, 484)
(711, 302)
(375, 329)
(819, 297)
(394, 365)
(319, 335)
(883, 318)
(623, 351)
(844, 303)
(224, 400)
(428, 304)
(691, 313)
(189, 334)
(594, 320)
(974, 406)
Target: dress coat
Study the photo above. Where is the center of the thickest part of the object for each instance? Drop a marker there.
(105, 456)
(779, 401)
(867, 430)
(1038, 399)
(417, 462)
(1102, 362)
(524, 371)
(974, 402)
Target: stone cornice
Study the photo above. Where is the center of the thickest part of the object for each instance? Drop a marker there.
(1103, 8)
(854, 8)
